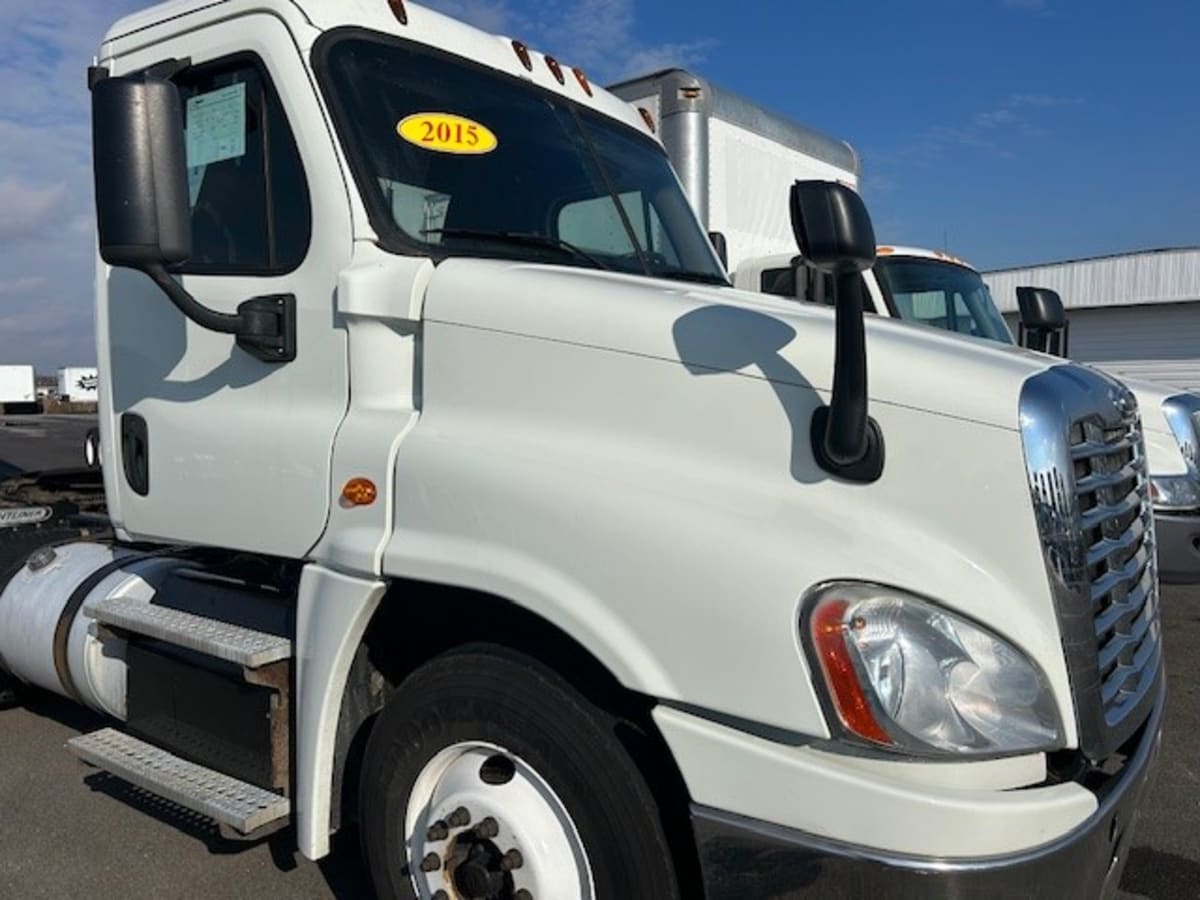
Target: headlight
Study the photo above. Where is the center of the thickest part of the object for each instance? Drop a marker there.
(1174, 492)
(904, 674)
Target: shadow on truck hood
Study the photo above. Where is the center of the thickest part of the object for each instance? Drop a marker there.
(714, 331)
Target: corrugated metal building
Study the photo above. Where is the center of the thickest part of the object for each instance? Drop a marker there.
(1136, 314)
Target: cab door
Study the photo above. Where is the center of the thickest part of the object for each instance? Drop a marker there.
(204, 442)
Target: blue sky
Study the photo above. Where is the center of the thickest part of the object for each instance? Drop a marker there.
(1015, 131)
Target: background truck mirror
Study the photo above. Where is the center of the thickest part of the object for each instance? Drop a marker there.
(140, 164)
(717, 239)
(1043, 324)
(832, 227)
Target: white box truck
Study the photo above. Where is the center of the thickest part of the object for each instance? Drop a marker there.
(731, 154)
(457, 494)
(78, 384)
(17, 390)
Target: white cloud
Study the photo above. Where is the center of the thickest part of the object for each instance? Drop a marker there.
(45, 189)
(22, 285)
(997, 131)
(598, 35)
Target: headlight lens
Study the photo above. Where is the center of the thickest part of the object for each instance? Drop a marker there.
(905, 674)
(1174, 492)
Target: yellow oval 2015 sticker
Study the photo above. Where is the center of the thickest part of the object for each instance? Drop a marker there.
(447, 133)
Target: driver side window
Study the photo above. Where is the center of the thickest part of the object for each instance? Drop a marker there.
(246, 186)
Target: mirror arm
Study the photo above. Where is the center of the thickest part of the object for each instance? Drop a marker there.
(845, 439)
(846, 435)
(225, 323)
(265, 327)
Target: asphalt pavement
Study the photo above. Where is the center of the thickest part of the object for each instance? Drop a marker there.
(68, 831)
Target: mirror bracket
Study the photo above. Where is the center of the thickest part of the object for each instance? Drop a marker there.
(270, 327)
(866, 469)
(265, 327)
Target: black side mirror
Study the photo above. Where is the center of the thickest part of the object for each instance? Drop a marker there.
(141, 172)
(139, 161)
(1043, 322)
(721, 246)
(835, 236)
(832, 227)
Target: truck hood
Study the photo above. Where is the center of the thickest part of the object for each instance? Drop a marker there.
(1163, 454)
(727, 330)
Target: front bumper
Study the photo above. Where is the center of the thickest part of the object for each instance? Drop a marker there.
(1178, 547)
(743, 857)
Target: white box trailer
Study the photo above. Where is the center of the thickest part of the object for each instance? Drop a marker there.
(17, 387)
(733, 156)
(78, 384)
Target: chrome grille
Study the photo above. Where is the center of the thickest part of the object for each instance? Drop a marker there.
(1088, 478)
(1112, 490)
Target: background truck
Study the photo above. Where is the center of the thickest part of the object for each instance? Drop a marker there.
(935, 289)
(456, 493)
(17, 390)
(79, 384)
(731, 153)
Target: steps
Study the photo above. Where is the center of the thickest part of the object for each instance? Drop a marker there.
(239, 805)
(222, 640)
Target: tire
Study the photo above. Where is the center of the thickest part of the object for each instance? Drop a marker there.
(422, 765)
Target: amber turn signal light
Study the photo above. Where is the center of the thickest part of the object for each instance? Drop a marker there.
(359, 492)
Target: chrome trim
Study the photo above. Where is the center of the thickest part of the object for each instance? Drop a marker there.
(1088, 479)
(1182, 412)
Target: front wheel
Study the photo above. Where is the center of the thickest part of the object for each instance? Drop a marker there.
(487, 777)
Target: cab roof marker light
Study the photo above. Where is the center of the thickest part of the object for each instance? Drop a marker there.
(555, 69)
(523, 55)
(648, 119)
(398, 10)
(853, 706)
(582, 78)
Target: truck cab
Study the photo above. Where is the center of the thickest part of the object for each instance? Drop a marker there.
(457, 494)
(938, 290)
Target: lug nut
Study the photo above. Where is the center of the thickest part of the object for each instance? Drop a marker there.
(438, 831)
(431, 863)
(512, 860)
(460, 818)
(487, 829)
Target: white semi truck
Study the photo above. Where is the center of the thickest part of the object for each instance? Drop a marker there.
(457, 494)
(936, 289)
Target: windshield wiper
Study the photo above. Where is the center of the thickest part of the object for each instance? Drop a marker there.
(518, 237)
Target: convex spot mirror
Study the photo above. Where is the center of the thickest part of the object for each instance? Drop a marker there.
(832, 227)
(140, 164)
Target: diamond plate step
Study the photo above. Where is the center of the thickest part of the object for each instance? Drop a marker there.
(241, 806)
(232, 643)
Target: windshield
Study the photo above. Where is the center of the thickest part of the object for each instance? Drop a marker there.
(455, 159)
(942, 295)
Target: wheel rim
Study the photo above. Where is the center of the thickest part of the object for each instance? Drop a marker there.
(482, 824)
